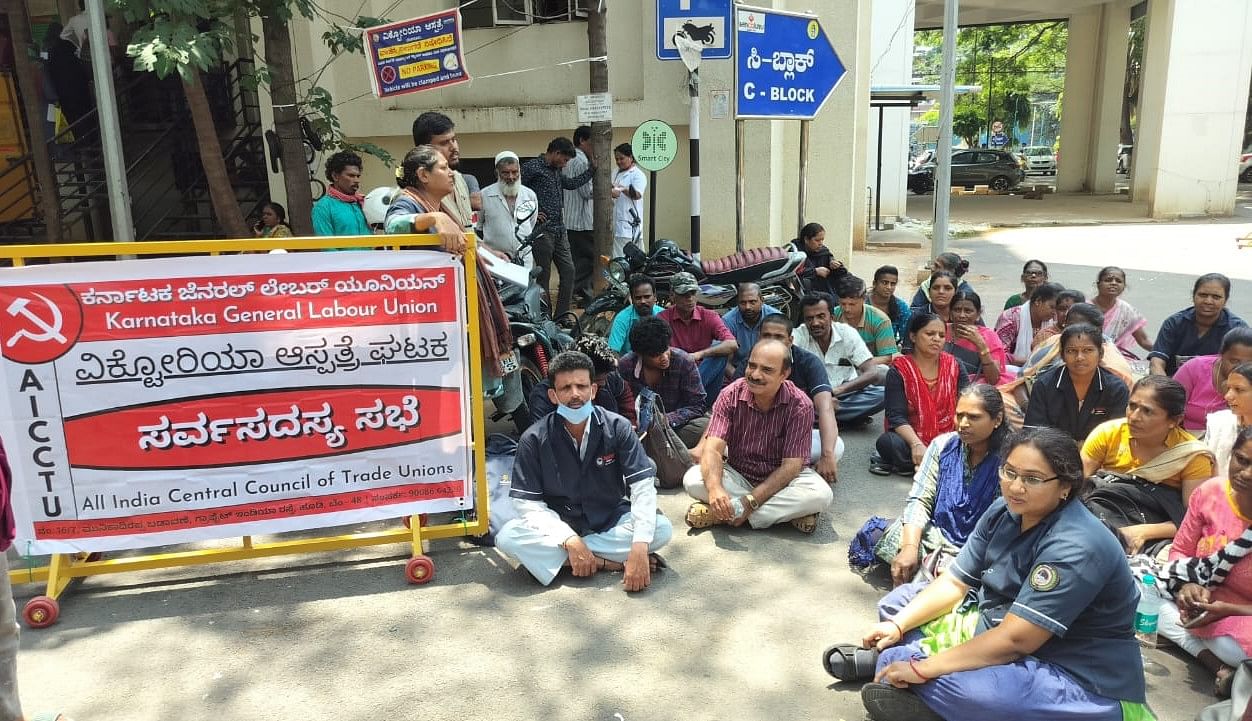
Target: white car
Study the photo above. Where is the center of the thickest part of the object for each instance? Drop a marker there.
(1039, 159)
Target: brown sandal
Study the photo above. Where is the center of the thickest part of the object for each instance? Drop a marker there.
(700, 515)
(805, 524)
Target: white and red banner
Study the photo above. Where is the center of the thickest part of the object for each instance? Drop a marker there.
(163, 401)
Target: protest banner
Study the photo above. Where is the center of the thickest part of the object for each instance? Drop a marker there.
(417, 54)
(179, 399)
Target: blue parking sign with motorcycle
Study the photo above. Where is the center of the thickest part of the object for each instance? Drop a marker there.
(785, 65)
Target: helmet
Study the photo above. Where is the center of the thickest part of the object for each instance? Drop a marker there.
(376, 203)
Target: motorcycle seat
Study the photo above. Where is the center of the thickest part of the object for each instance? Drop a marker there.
(745, 266)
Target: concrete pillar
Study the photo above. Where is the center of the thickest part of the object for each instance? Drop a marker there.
(1106, 111)
(1081, 58)
(1193, 106)
(891, 50)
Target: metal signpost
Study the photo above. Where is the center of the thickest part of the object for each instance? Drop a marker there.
(655, 145)
(785, 69)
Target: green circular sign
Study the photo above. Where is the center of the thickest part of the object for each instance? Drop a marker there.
(655, 145)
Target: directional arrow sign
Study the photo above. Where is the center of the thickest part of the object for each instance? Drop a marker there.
(785, 65)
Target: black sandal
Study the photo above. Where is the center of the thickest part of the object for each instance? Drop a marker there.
(885, 702)
(849, 662)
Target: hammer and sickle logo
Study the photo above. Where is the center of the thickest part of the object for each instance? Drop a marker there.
(44, 329)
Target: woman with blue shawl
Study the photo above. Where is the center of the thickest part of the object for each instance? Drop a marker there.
(954, 484)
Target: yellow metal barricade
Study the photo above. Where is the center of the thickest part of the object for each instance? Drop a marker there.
(63, 569)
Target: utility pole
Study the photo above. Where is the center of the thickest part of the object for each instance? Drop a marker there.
(601, 133)
(110, 126)
(943, 154)
(49, 203)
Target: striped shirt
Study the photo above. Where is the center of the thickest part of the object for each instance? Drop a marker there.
(578, 200)
(757, 441)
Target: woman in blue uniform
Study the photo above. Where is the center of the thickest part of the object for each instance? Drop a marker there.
(1051, 637)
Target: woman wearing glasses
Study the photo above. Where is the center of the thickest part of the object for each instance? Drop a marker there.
(1145, 465)
(1079, 395)
(1034, 274)
(1052, 630)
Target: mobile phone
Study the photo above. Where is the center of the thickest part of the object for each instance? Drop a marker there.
(1200, 620)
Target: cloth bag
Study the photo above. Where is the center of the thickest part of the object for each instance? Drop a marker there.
(661, 443)
(1235, 707)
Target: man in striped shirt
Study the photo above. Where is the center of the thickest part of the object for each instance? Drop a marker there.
(753, 467)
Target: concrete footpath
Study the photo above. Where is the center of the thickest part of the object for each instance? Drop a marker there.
(733, 630)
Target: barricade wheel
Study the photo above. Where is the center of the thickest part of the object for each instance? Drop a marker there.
(421, 519)
(41, 612)
(419, 570)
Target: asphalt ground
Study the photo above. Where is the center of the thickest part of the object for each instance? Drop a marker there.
(732, 630)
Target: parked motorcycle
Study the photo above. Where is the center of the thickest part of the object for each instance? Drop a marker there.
(536, 336)
(776, 270)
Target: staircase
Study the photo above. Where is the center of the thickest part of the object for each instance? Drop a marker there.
(169, 194)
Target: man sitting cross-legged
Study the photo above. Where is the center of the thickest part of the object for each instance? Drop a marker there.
(583, 488)
(756, 449)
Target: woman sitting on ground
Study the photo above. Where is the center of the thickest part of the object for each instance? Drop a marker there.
(1223, 426)
(1212, 592)
(920, 398)
(1078, 395)
(1125, 325)
(955, 483)
(1065, 300)
(1019, 327)
(950, 262)
(1197, 330)
(940, 289)
(1034, 274)
(975, 345)
(1204, 377)
(1052, 634)
(1048, 356)
(1146, 466)
(882, 296)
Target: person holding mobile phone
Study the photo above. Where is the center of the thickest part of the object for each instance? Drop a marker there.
(1210, 571)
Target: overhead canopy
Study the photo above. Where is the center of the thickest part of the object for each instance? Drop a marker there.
(890, 96)
(929, 14)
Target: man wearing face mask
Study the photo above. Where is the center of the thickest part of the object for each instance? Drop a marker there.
(498, 224)
(583, 488)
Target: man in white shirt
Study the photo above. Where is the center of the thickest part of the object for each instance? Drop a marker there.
(629, 182)
(499, 215)
(578, 218)
(849, 364)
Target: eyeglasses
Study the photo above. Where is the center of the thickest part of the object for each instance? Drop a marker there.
(1012, 476)
(1033, 273)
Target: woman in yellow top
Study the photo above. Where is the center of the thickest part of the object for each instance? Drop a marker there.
(273, 222)
(1145, 466)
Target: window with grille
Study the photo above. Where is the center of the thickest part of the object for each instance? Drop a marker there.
(501, 13)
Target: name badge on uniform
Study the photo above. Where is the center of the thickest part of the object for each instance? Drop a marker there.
(606, 460)
(1099, 411)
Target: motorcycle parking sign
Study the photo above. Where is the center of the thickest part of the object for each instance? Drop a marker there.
(705, 21)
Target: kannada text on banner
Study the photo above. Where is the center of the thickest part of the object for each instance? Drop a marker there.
(164, 401)
(418, 54)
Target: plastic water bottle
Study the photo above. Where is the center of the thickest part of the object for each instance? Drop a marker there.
(1148, 611)
(736, 505)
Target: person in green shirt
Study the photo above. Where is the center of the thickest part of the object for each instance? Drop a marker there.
(871, 324)
(342, 210)
(1034, 274)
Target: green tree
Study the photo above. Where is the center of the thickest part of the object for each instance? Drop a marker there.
(1013, 65)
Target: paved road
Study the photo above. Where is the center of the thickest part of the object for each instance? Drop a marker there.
(732, 631)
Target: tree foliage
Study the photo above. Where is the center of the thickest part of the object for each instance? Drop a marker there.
(1015, 65)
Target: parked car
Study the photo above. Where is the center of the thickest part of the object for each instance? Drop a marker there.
(1039, 159)
(1245, 167)
(996, 168)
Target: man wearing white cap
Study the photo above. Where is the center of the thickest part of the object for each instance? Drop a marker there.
(504, 203)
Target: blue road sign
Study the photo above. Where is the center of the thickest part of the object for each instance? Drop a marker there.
(704, 21)
(785, 65)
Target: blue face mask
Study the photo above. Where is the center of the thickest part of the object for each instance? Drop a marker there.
(575, 415)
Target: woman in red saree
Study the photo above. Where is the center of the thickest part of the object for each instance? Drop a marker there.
(921, 391)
